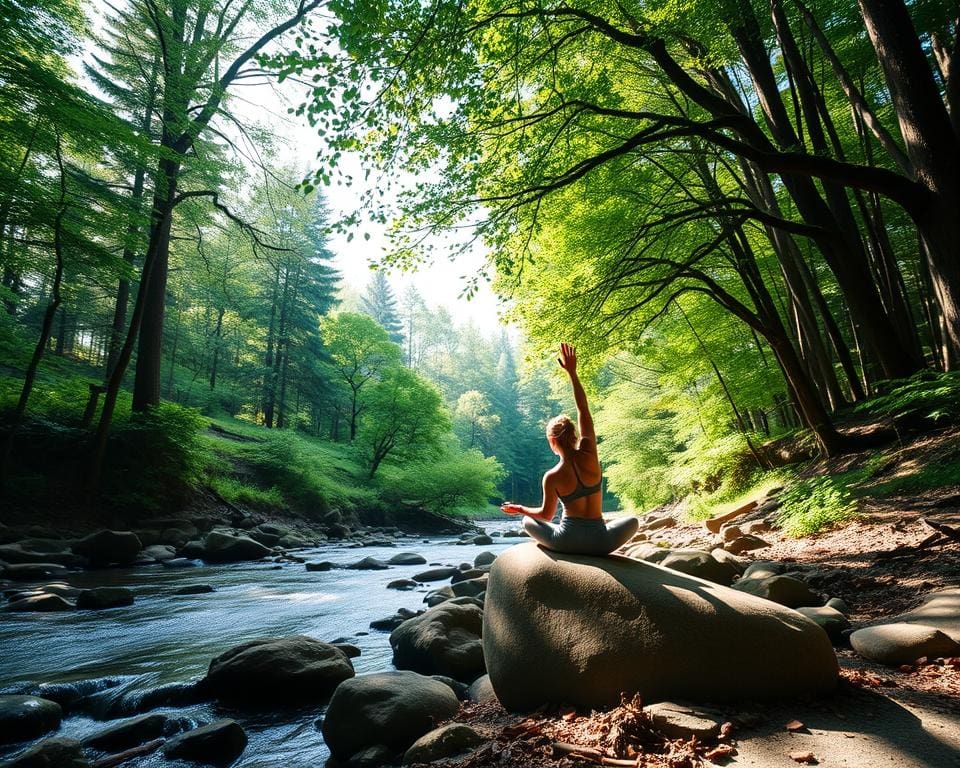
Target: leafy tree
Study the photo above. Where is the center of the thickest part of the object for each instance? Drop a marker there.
(474, 420)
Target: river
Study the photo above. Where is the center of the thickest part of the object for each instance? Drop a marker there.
(119, 654)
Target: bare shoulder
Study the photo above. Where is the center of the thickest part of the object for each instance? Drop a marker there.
(587, 446)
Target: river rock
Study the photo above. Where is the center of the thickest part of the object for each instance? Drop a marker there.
(402, 584)
(444, 640)
(352, 651)
(60, 588)
(680, 721)
(407, 558)
(160, 552)
(23, 552)
(582, 630)
(107, 547)
(26, 717)
(323, 565)
(390, 623)
(482, 540)
(721, 555)
(180, 562)
(267, 539)
(263, 672)
(178, 535)
(462, 690)
(839, 604)
(436, 574)
(730, 532)
(830, 619)
(448, 740)
(368, 564)
(437, 596)
(33, 571)
(392, 709)
(746, 543)
(782, 589)
(41, 603)
(481, 690)
(292, 541)
(194, 589)
(100, 598)
(940, 610)
(484, 558)
(58, 752)
(218, 743)
(468, 573)
(274, 529)
(128, 734)
(219, 547)
(470, 587)
(902, 643)
(702, 565)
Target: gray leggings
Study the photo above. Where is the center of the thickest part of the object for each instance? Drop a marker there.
(580, 536)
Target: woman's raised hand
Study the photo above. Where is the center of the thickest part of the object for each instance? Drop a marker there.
(568, 358)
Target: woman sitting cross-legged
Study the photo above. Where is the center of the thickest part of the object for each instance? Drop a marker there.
(576, 481)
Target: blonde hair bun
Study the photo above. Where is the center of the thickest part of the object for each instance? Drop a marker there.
(563, 431)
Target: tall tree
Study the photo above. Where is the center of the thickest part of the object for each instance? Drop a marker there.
(379, 302)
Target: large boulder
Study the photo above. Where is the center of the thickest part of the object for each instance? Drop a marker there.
(26, 717)
(940, 610)
(902, 643)
(407, 558)
(59, 752)
(277, 669)
(389, 709)
(107, 547)
(444, 640)
(220, 547)
(582, 630)
(218, 743)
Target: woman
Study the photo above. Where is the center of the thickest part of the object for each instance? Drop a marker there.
(576, 481)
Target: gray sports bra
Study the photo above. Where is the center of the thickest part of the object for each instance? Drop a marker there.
(581, 490)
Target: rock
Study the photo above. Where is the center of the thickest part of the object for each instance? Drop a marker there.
(292, 541)
(274, 529)
(446, 741)
(59, 752)
(829, 619)
(763, 569)
(368, 564)
(160, 552)
(25, 717)
(939, 609)
(838, 605)
(444, 640)
(128, 734)
(349, 649)
(107, 547)
(33, 571)
(482, 540)
(261, 672)
(785, 590)
(267, 539)
(484, 558)
(100, 598)
(378, 543)
(59, 588)
(470, 587)
(902, 643)
(219, 743)
(177, 536)
(338, 531)
(722, 556)
(702, 565)
(437, 596)
(324, 565)
(41, 603)
(219, 547)
(581, 630)
(745, 543)
(730, 532)
(402, 584)
(393, 709)
(659, 522)
(481, 690)
(680, 721)
(436, 574)
(390, 623)
(462, 690)
(372, 757)
(22, 553)
(194, 589)
(468, 573)
(714, 524)
(757, 526)
(407, 558)
(181, 562)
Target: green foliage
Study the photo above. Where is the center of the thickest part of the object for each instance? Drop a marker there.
(237, 492)
(455, 481)
(818, 503)
(927, 395)
(155, 459)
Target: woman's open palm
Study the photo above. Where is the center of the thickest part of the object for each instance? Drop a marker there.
(568, 358)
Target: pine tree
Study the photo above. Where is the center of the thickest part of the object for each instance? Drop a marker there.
(379, 302)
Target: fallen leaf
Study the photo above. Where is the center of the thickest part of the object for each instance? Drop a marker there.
(803, 757)
(795, 726)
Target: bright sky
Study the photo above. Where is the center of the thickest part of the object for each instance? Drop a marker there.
(440, 282)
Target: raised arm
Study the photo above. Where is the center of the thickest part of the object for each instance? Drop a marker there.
(568, 361)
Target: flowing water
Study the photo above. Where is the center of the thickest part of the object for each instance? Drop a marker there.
(113, 658)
